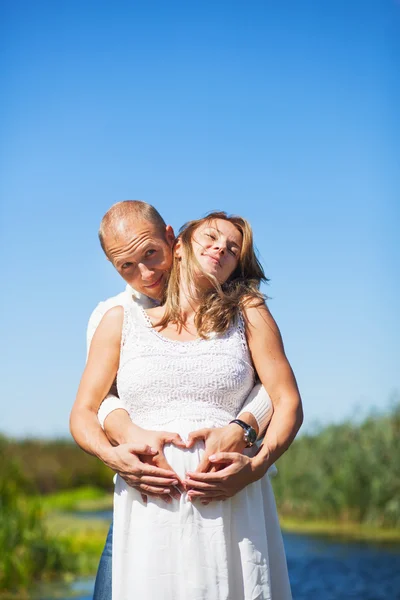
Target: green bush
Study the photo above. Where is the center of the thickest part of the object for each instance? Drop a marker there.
(50, 466)
(344, 472)
(27, 550)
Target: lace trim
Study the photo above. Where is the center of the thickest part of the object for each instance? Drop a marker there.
(240, 324)
(163, 337)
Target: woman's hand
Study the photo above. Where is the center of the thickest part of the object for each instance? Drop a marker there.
(236, 473)
(133, 462)
(156, 440)
(217, 439)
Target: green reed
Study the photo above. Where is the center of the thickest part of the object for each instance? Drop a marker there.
(344, 472)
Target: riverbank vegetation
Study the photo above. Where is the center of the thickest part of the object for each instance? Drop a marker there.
(344, 473)
(341, 480)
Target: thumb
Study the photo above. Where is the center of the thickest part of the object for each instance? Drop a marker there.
(174, 438)
(141, 449)
(195, 436)
(222, 457)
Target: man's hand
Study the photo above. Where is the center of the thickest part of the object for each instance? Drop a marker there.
(236, 473)
(218, 439)
(130, 461)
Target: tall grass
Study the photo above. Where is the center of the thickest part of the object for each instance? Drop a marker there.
(344, 472)
(27, 549)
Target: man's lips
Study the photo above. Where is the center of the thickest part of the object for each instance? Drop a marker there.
(152, 285)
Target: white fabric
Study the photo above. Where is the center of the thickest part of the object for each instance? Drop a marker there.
(258, 403)
(129, 297)
(126, 298)
(228, 550)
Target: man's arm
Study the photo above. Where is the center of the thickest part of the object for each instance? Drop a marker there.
(258, 404)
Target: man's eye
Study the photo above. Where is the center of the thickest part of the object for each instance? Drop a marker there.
(150, 253)
(126, 265)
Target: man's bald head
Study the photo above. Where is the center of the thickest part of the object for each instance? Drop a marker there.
(124, 215)
(139, 244)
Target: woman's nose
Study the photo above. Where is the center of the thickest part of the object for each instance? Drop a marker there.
(220, 247)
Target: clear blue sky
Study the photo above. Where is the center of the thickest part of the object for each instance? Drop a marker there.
(284, 112)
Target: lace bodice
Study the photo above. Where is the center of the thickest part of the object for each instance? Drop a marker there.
(162, 381)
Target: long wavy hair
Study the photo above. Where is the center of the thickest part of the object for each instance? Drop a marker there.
(220, 303)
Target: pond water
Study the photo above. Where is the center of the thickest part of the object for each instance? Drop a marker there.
(319, 568)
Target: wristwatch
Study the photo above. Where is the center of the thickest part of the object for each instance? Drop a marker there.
(250, 435)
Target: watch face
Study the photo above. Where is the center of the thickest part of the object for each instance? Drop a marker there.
(251, 435)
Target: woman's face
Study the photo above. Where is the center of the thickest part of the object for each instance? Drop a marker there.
(217, 245)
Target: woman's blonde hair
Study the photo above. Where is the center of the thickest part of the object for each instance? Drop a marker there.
(220, 304)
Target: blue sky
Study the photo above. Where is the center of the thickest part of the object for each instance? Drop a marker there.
(283, 112)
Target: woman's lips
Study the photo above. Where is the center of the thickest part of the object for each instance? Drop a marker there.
(152, 285)
(213, 258)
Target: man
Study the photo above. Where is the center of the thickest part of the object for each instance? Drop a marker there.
(139, 244)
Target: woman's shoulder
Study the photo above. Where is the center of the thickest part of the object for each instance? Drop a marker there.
(112, 320)
(114, 314)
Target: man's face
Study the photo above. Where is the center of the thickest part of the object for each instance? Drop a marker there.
(142, 255)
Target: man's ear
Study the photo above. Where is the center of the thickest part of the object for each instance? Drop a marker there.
(169, 236)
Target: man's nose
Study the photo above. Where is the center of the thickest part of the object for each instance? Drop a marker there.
(145, 272)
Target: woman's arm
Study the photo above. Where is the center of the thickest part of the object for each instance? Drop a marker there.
(97, 378)
(276, 375)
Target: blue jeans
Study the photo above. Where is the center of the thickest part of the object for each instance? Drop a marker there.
(102, 586)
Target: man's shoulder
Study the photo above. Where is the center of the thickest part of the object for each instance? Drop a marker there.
(123, 299)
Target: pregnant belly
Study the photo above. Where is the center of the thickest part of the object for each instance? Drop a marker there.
(183, 460)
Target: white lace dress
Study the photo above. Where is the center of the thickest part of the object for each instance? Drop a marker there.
(228, 550)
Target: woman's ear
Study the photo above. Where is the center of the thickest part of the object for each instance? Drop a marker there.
(178, 248)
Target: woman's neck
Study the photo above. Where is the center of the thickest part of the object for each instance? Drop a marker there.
(189, 303)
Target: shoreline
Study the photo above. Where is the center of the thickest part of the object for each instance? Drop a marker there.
(73, 502)
(341, 531)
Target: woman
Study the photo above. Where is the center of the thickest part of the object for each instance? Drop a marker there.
(188, 365)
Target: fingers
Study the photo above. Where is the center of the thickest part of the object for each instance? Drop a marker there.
(204, 464)
(152, 470)
(141, 449)
(158, 481)
(207, 477)
(200, 485)
(195, 495)
(173, 438)
(195, 436)
(161, 462)
(151, 489)
(224, 457)
(211, 463)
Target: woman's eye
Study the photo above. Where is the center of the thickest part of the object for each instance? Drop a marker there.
(233, 251)
(210, 235)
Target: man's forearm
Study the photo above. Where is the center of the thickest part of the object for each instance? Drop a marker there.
(87, 433)
(283, 428)
(259, 405)
(119, 427)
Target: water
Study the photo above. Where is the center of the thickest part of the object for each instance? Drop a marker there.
(322, 569)
(319, 568)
